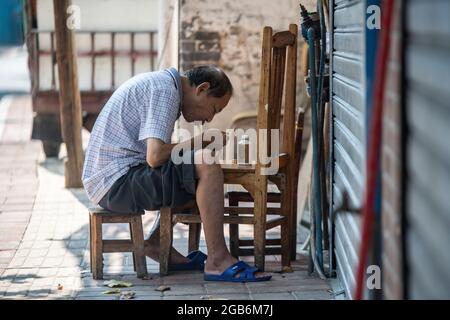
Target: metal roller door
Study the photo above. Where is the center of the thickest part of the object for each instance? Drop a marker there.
(349, 130)
(428, 148)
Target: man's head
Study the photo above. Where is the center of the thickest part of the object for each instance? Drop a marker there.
(206, 91)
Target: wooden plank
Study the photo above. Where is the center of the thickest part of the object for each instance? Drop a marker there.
(70, 101)
(276, 92)
(165, 240)
(52, 49)
(93, 61)
(269, 242)
(249, 210)
(194, 236)
(194, 233)
(275, 222)
(189, 218)
(91, 241)
(118, 219)
(238, 168)
(137, 235)
(268, 251)
(97, 247)
(152, 58)
(113, 60)
(289, 139)
(133, 55)
(260, 184)
(234, 229)
(283, 38)
(284, 160)
(117, 246)
(92, 102)
(246, 197)
(131, 237)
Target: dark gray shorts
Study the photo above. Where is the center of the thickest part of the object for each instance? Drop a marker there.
(146, 188)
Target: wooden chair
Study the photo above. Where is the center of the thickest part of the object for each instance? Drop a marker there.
(236, 194)
(278, 76)
(98, 216)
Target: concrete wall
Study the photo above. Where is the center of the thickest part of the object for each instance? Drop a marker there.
(228, 34)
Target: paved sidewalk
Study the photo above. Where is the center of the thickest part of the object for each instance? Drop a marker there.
(14, 75)
(51, 261)
(18, 176)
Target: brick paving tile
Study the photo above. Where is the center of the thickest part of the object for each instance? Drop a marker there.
(219, 288)
(271, 296)
(185, 297)
(179, 290)
(312, 295)
(44, 253)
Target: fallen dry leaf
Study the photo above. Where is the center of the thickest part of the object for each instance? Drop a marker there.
(162, 288)
(117, 284)
(287, 269)
(112, 291)
(127, 295)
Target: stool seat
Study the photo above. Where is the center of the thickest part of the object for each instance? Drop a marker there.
(100, 210)
(98, 216)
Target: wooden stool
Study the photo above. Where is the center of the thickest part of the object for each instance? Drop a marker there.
(98, 216)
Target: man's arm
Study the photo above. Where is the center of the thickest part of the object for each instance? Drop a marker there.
(159, 152)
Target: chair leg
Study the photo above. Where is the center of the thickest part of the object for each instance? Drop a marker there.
(286, 229)
(91, 238)
(260, 225)
(194, 236)
(285, 245)
(97, 246)
(165, 240)
(138, 247)
(292, 217)
(234, 230)
(131, 238)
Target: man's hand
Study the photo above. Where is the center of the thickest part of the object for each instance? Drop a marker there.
(216, 138)
(159, 152)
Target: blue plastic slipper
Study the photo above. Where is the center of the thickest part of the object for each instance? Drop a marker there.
(247, 274)
(197, 262)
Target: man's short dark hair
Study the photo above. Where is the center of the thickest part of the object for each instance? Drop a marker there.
(219, 84)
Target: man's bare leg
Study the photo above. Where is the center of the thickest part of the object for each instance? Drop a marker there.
(210, 203)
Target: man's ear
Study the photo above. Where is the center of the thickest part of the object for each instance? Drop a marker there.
(202, 87)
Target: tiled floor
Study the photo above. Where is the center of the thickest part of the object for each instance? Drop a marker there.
(50, 260)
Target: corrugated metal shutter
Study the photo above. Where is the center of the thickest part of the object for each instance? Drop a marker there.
(349, 130)
(428, 148)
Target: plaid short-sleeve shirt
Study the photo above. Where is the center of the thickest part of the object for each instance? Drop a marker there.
(146, 106)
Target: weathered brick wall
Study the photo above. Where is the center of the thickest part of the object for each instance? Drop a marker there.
(391, 168)
(228, 34)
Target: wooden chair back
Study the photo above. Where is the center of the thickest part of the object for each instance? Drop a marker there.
(278, 90)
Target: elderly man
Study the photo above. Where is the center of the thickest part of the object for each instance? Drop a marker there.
(128, 166)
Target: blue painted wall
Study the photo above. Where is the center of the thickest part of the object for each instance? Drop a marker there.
(11, 22)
